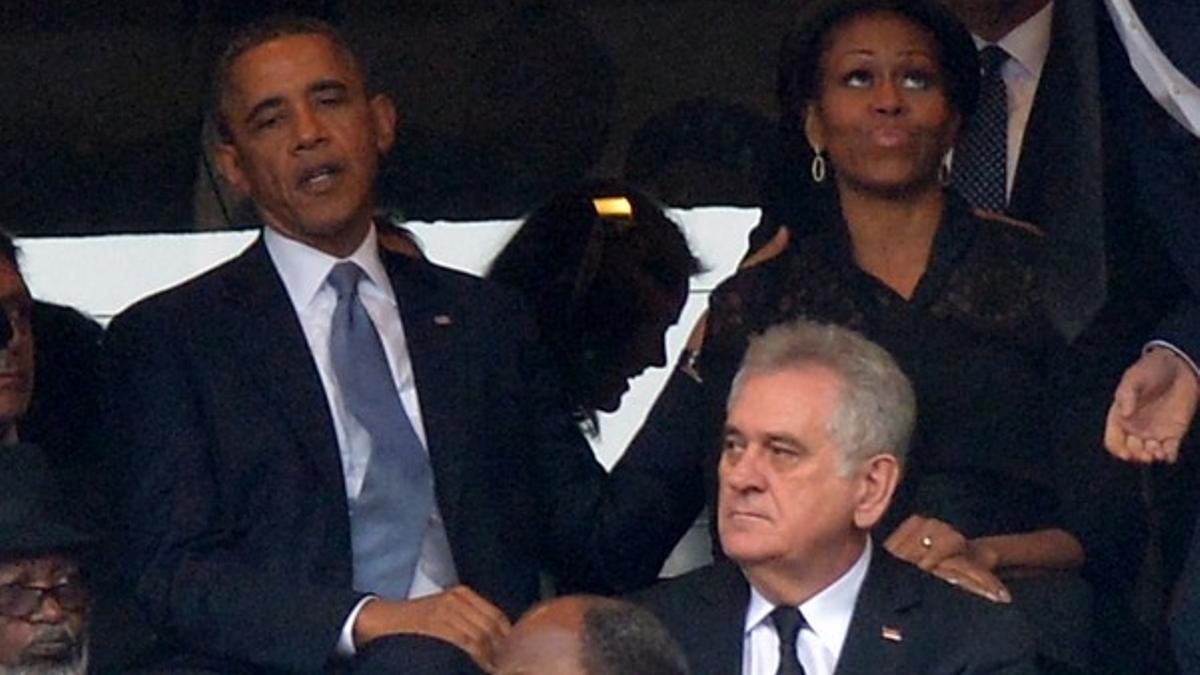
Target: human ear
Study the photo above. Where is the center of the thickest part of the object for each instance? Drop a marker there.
(229, 163)
(877, 480)
(814, 130)
(953, 127)
(383, 117)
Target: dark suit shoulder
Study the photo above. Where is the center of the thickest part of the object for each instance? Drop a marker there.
(967, 612)
(704, 610)
(942, 627)
(467, 289)
(688, 589)
(179, 301)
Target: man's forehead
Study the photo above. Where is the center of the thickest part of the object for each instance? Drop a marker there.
(18, 568)
(289, 62)
(788, 391)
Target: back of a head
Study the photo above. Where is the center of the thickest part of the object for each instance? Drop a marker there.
(585, 262)
(621, 638)
(564, 241)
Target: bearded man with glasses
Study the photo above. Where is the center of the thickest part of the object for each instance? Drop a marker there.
(43, 599)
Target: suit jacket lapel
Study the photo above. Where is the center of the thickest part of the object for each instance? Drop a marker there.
(433, 332)
(258, 316)
(869, 648)
(1059, 184)
(721, 619)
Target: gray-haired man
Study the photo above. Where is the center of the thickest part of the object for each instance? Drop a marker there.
(817, 428)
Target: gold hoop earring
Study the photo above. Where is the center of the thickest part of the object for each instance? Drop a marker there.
(818, 167)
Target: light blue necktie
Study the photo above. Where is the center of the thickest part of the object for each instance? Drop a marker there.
(390, 514)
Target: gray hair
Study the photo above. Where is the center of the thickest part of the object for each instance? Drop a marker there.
(876, 406)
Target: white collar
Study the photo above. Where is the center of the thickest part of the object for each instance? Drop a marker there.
(1029, 43)
(304, 268)
(828, 613)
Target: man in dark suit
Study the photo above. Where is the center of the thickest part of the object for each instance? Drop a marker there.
(1155, 401)
(817, 429)
(1110, 177)
(337, 457)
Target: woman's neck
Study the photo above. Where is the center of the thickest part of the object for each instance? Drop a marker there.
(892, 237)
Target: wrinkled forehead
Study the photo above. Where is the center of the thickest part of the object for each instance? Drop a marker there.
(288, 62)
(39, 568)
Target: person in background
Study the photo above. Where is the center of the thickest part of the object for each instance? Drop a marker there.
(883, 89)
(16, 344)
(336, 457)
(44, 603)
(815, 442)
(605, 273)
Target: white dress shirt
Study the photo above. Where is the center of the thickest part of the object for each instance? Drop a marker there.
(827, 620)
(303, 270)
(1027, 46)
(1178, 95)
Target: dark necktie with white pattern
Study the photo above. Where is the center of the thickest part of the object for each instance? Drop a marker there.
(981, 155)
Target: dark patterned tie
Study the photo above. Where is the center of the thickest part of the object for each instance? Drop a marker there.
(981, 155)
(390, 514)
(788, 622)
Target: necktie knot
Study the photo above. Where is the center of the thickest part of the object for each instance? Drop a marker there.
(344, 278)
(788, 622)
(991, 59)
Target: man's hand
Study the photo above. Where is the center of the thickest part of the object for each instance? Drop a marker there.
(925, 542)
(967, 572)
(458, 616)
(1152, 408)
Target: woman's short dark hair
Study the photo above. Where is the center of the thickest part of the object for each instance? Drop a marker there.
(563, 243)
(800, 69)
(561, 262)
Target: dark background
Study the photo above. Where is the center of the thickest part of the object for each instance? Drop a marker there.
(502, 104)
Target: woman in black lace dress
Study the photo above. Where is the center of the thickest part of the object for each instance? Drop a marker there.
(881, 89)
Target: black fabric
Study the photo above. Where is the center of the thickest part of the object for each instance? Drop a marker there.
(409, 655)
(904, 622)
(788, 622)
(237, 542)
(1004, 440)
(973, 341)
(1174, 26)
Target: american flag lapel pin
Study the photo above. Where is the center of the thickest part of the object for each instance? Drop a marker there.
(442, 320)
(891, 634)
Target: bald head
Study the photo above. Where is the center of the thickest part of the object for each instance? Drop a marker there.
(548, 639)
(589, 635)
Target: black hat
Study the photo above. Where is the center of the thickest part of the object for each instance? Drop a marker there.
(31, 512)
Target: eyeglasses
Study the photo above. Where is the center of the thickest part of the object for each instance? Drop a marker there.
(19, 601)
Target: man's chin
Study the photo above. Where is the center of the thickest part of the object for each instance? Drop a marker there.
(70, 660)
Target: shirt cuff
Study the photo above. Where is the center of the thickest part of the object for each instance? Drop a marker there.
(1163, 344)
(345, 645)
